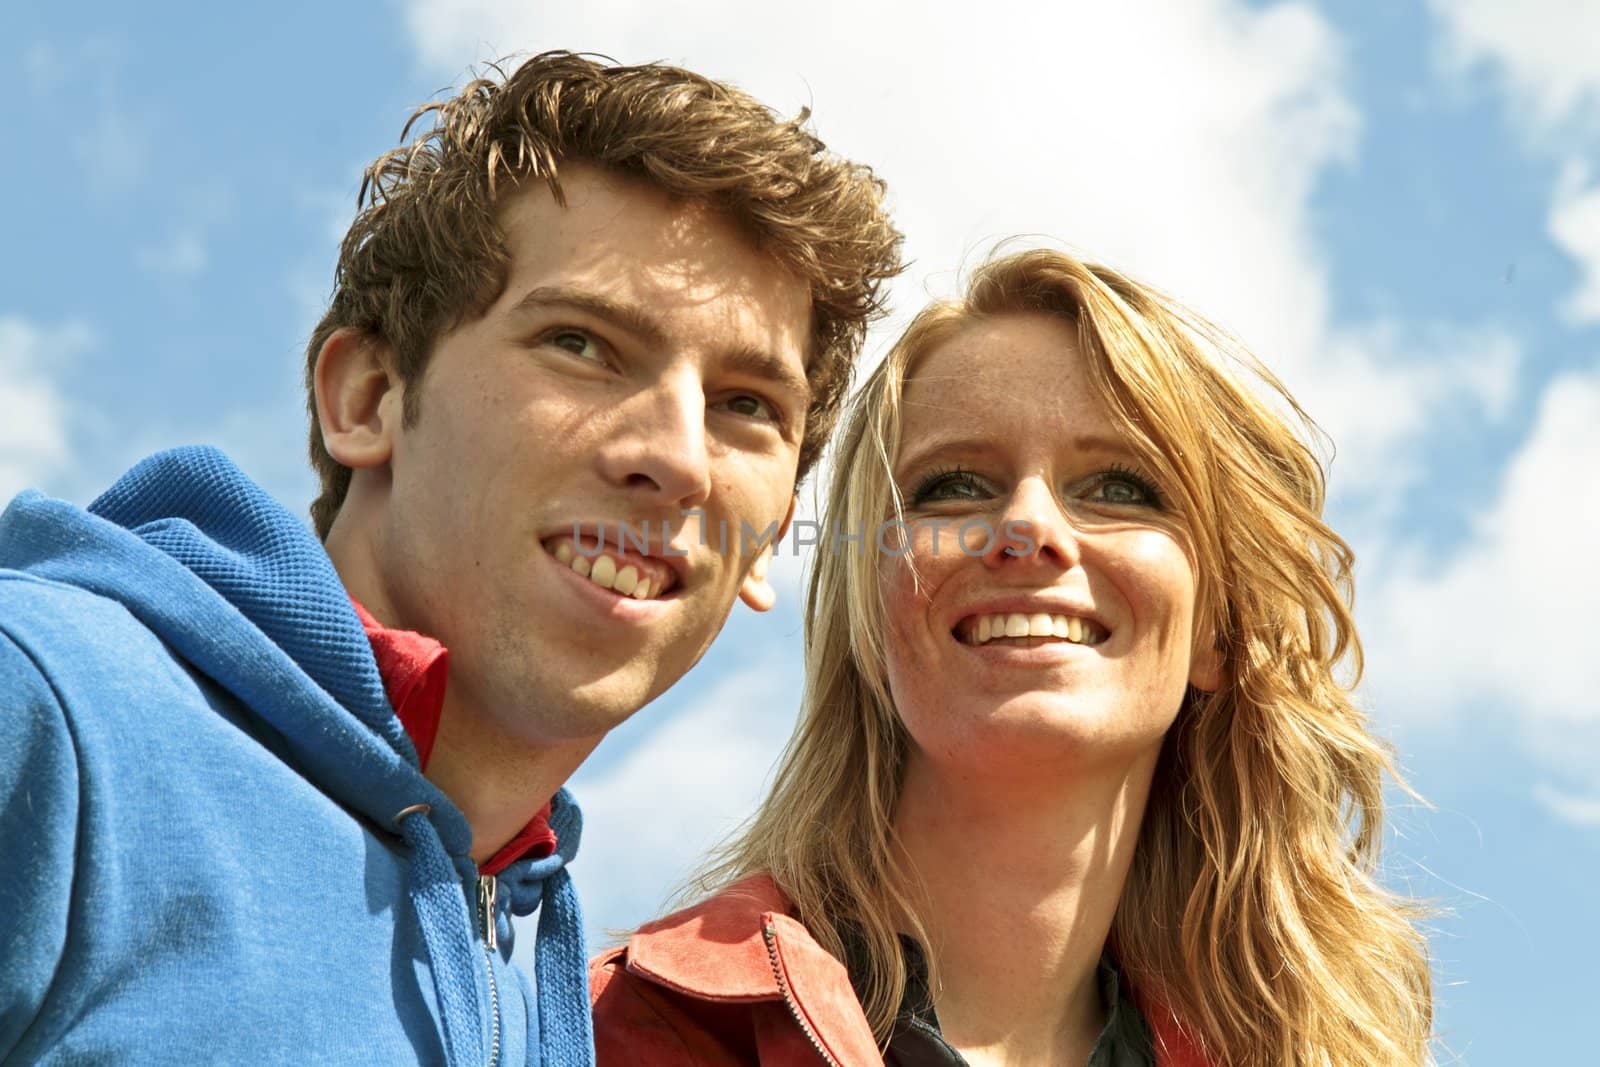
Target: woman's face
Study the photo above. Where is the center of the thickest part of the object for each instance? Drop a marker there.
(1056, 607)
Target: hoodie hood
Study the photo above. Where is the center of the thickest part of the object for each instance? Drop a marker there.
(245, 593)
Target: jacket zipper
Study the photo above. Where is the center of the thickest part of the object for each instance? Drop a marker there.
(771, 937)
(488, 887)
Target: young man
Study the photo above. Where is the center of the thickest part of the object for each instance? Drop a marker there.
(273, 800)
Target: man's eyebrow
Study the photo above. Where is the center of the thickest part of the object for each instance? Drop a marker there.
(759, 363)
(756, 362)
(630, 317)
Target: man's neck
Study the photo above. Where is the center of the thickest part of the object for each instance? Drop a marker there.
(499, 783)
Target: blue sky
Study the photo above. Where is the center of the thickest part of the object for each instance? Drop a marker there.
(1397, 206)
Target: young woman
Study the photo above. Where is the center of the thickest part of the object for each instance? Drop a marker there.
(1076, 778)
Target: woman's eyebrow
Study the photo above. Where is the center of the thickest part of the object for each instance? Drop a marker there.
(965, 444)
(968, 444)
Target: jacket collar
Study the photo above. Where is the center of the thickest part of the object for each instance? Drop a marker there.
(718, 950)
(743, 945)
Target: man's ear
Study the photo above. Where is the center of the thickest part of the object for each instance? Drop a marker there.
(358, 398)
(757, 592)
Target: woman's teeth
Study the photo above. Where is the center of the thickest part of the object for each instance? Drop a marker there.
(981, 629)
(603, 571)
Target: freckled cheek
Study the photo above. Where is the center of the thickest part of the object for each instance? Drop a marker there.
(935, 552)
(905, 606)
(1155, 578)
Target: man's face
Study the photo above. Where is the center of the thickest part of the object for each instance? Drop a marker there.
(644, 360)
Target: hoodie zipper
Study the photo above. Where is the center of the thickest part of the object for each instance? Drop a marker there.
(488, 887)
(771, 936)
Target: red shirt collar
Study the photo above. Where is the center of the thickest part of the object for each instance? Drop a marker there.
(415, 669)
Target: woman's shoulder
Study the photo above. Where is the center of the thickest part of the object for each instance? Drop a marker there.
(714, 949)
(685, 988)
(734, 978)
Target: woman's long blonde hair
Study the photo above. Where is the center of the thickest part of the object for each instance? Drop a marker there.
(1251, 911)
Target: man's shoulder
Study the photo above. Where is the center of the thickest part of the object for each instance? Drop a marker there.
(66, 623)
(21, 591)
(86, 654)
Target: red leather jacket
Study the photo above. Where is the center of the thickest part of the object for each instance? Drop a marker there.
(737, 980)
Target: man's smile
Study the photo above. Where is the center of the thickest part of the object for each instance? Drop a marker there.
(623, 572)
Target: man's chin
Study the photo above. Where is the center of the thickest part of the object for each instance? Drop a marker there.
(585, 696)
(595, 709)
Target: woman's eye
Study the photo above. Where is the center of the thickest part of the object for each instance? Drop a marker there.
(950, 485)
(1126, 488)
(578, 343)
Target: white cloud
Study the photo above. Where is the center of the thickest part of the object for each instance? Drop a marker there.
(115, 138)
(185, 250)
(1542, 52)
(43, 68)
(114, 148)
(1508, 621)
(1387, 384)
(1542, 56)
(33, 412)
(1574, 808)
(182, 254)
(110, 135)
(1575, 226)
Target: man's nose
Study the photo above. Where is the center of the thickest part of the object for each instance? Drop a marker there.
(659, 444)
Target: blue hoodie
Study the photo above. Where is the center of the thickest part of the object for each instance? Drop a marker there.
(215, 842)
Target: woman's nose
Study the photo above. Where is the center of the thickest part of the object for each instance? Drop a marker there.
(1033, 527)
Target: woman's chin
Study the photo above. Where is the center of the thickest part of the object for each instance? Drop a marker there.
(1031, 732)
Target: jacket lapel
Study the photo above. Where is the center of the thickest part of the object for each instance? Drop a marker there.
(714, 950)
(821, 993)
(743, 946)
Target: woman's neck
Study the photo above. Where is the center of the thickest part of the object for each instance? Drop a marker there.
(1021, 882)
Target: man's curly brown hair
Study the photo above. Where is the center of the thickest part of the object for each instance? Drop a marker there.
(426, 253)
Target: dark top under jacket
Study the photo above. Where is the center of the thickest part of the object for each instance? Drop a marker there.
(917, 1042)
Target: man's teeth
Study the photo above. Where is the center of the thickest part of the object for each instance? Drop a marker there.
(626, 581)
(602, 571)
(984, 628)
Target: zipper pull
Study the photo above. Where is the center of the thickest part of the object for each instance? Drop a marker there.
(488, 887)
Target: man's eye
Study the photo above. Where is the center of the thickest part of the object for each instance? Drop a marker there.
(578, 343)
(751, 407)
